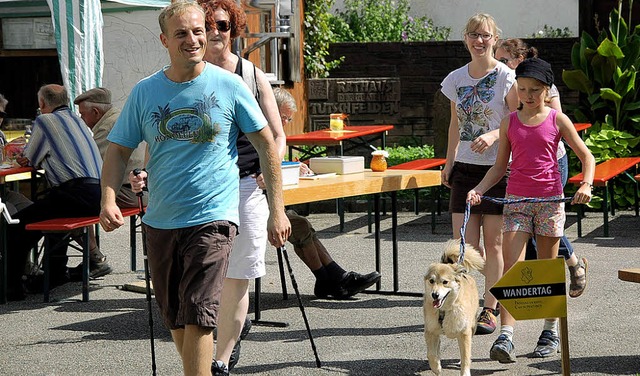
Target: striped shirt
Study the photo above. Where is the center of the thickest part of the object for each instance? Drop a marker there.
(63, 146)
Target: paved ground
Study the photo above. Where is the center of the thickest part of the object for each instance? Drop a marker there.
(372, 334)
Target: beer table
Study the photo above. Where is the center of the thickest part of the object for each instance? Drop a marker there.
(351, 137)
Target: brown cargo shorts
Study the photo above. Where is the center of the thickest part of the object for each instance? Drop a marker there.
(188, 267)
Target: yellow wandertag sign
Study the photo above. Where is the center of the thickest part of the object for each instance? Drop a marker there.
(534, 289)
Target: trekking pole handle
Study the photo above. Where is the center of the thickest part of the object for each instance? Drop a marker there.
(137, 172)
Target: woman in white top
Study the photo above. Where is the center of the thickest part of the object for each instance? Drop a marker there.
(481, 93)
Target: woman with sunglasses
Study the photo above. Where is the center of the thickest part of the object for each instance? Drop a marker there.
(225, 21)
(481, 92)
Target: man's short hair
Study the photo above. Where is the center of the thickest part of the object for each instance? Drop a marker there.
(53, 95)
(96, 95)
(177, 7)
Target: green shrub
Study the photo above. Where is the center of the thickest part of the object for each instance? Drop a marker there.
(605, 71)
(550, 32)
(318, 35)
(402, 154)
(383, 21)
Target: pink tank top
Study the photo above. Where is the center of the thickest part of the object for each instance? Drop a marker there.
(534, 166)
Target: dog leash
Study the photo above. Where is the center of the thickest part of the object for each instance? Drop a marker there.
(503, 201)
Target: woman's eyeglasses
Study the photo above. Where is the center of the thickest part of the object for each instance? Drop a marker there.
(223, 25)
(476, 35)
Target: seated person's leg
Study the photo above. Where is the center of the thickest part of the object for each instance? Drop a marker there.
(331, 279)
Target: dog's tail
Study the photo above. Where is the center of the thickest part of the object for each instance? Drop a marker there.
(472, 258)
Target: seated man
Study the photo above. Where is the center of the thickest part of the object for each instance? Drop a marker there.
(61, 145)
(100, 115)
(331, 279)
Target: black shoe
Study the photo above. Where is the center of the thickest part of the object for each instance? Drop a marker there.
(235, 354)
(324, 289)
(356, 283)
(218, 368)
(352, 284)
(35, 283)
(17, 292)
(96, 270)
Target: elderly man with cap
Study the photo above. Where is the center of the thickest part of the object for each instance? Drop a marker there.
(100, 115)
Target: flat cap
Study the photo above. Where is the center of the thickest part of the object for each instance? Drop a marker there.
(95, 95)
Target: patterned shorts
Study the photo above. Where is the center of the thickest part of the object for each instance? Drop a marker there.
(536, 218)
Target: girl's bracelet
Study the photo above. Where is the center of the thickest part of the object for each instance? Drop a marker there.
(587, 183)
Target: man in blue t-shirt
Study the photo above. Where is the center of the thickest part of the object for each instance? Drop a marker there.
(190, 114)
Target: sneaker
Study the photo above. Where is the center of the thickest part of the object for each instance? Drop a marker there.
(548, 344)
(503, 350)
(235, 354)
(218, 368)
(487, 322)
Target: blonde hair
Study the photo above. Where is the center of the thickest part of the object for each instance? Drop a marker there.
(177, 7)
(480, 19)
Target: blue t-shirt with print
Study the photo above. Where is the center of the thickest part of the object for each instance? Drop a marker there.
(191, 129)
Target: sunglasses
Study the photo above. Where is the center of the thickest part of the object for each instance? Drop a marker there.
(3, 114)
(223, 26)
(503, 60)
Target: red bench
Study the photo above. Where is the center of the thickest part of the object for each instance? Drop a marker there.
(68, 225)
(425, 164)
(606, 172)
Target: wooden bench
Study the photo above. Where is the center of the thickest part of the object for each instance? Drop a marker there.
(629, 275)
(425, 164)
(68, 226)
(605, 173)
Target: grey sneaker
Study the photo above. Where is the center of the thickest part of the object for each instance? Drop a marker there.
(503, 350)
(218, 368)
(548, 344)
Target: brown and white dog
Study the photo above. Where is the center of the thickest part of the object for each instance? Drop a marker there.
(451, 303)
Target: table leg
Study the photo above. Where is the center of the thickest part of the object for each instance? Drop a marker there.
(394, 238)
(376, 215)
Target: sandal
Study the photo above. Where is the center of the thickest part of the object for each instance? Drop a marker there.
(578, 282)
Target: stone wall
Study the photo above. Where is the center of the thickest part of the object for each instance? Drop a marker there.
(407, 77)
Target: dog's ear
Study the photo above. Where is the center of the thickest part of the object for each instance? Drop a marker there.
(460, 269)
(445, 259)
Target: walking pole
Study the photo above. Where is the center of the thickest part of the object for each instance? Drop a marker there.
(147, 276)
(304, 315)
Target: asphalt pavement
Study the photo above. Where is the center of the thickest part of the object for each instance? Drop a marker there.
(370, 334)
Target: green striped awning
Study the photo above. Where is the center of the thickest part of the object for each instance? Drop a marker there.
(78, 31)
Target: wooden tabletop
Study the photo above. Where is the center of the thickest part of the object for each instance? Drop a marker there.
(629, 275)
(363, 183)
(329, 137)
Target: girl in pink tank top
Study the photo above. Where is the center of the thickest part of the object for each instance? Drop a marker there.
(531, 137)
